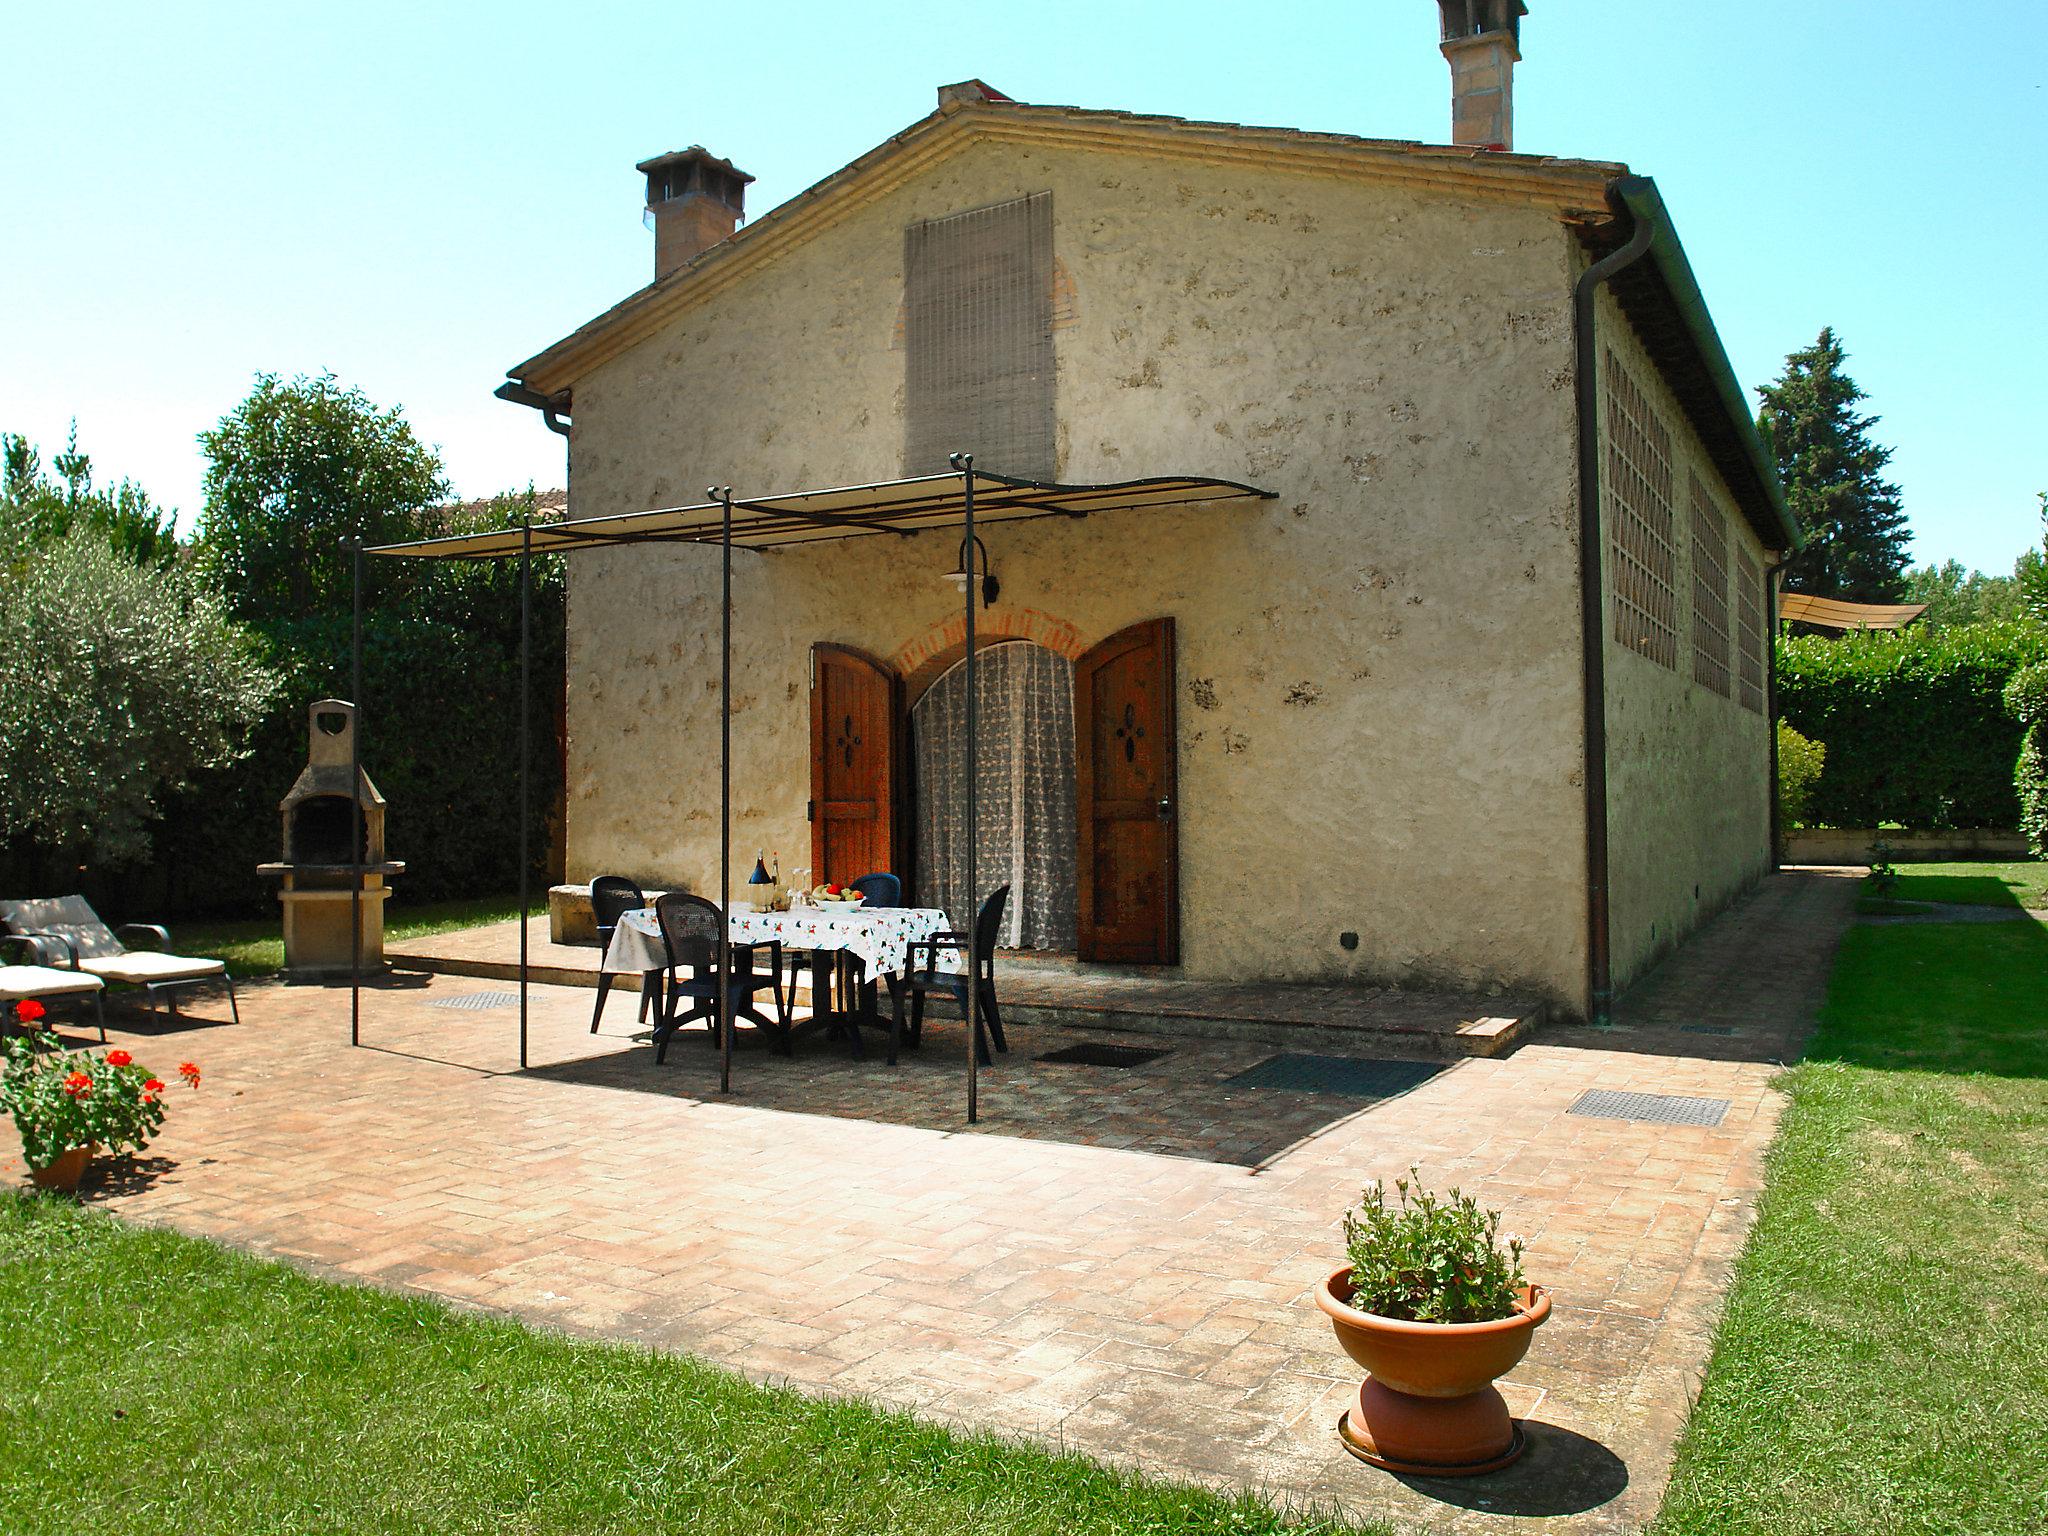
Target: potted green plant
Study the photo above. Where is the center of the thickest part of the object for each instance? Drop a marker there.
(68, 1108)
(1433, 1304)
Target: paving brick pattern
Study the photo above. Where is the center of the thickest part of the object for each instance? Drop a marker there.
(1116, 1260)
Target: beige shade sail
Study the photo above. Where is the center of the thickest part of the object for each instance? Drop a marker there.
(848, 512)
(1835, 613)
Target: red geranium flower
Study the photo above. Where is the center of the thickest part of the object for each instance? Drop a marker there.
(152, 1088)
(118, 1058)
(78, 1085)
(189, 1072)
(28, 1010)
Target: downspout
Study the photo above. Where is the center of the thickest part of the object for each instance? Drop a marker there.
(1770, 598)
(1592, 609)
(549, 406)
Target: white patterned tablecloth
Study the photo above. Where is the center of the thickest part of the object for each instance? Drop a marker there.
(879, 937)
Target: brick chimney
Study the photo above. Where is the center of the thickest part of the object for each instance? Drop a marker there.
(695, 200)
(1482, 41)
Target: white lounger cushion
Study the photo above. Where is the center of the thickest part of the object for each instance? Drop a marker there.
(147, 965)
(20, 981)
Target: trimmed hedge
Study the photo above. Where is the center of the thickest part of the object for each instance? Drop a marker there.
(2027, 697)
(1915, 723)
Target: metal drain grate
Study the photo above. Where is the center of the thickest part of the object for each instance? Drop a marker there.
(1347, 1076)
(1095, 1053)
(476, 1001)
(1649, 1108)
(1706, 1029)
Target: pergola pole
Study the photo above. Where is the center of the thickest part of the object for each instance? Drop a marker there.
(724, 788)
(355, 764)
(525, 755)
(964, 462)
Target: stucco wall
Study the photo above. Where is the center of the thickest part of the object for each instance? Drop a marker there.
(1378, 675)
(1688, 770)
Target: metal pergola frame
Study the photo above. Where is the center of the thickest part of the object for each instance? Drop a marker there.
(902, 507)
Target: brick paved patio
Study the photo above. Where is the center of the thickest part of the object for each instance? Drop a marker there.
(1115, 1260)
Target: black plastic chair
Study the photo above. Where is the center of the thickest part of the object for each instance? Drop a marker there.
(879, 890)
(981, 969)
(691, 928)
(611, 898)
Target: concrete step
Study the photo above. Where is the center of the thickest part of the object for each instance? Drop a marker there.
(1479, 1034)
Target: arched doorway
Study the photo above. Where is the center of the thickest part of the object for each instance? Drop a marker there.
(1025, 825)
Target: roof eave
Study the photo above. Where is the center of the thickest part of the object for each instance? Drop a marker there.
(1639, 195)
(1571, 187)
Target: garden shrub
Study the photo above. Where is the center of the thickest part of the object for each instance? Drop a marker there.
(2027, 697)
(1916, 725)
(1800, 760)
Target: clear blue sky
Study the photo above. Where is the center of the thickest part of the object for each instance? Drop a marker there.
(418, 196)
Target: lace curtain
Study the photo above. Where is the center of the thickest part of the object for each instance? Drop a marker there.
(1026, 782)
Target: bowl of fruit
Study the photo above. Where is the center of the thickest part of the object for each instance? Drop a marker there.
(835, 896)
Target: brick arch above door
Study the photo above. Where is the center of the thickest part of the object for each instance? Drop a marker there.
(921, 660)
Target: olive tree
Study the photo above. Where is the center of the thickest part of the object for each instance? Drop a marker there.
(118, 682)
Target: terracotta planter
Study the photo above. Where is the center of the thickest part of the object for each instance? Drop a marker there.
(64, 1170)
(1429, 1406)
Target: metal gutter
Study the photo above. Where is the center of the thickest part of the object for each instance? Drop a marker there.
(1592, 594)
(549, 406)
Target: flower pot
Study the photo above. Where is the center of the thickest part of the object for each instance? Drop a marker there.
(1429, 1407)
(64, 1170)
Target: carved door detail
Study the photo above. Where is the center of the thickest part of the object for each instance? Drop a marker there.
(1127, 820)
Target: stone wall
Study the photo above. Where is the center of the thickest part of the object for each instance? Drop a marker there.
(1379, 718)
(1689, 787)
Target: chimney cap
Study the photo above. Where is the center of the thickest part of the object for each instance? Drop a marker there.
(696, 154)
(971, 91)
(1479, 18)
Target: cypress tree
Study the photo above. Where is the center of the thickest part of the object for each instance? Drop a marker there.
(1855, 528)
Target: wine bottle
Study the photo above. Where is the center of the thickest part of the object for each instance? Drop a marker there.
(760, 874)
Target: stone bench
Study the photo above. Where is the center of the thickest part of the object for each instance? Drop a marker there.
(570, 917)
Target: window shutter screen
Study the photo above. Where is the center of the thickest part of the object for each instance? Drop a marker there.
(978, 340)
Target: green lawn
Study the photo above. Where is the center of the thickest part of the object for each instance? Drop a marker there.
(153, 1383)
(255, 946)
(1977, 885)
(1883, 1364)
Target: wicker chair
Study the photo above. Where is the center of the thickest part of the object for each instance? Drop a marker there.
(691, 928)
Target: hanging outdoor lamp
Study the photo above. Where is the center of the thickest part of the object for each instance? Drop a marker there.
(963, 571)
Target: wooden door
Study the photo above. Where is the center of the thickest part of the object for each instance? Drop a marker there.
(856, 765)
(1127, 817)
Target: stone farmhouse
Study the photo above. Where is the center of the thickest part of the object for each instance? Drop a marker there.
(1469, 689)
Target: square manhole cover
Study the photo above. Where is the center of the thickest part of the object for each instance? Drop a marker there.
(475, 1001)
(1297, 1072)
(1648, 1108)
(1097, 1053)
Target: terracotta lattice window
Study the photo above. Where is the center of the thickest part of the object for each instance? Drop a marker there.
(1641, 541)
(1749, 632)
(977, 328)
(1709, 590)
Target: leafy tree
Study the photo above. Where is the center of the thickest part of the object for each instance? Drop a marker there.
(2032, 571)
(1956, 596)
(34, 508)
(297, 471)
(122, 682)
(1855, 526)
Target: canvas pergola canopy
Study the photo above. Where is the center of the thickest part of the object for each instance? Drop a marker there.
(962, 499)
(846, 512)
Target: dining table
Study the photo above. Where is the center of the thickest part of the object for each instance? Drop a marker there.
(875, 941)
